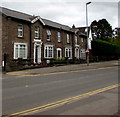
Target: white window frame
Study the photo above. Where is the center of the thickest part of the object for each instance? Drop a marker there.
(20, 30)
(48, 32)
(48, 50)
(26, 50)
(59, 37)
(77, 52)
(82, 53)
(86, 30)
(82, 40)
(69, 49)
(68, 38)
(37, 32)
(59, 49)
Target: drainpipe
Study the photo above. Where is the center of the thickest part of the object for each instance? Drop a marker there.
(73, 51)
(30, 41)
(73, 44)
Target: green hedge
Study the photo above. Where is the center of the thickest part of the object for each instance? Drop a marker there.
(59, 61)
(104, 48)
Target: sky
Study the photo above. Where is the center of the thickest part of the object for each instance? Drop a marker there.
(68, 12)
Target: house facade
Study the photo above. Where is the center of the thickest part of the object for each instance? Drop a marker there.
(80, 43)
(32, 37)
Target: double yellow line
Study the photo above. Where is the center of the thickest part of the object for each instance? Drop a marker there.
(62, 102)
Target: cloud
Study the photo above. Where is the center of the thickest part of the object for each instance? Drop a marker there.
(106, 10)
(60, 1)
(67, 12)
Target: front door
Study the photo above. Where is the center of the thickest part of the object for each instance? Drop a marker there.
(37, 52)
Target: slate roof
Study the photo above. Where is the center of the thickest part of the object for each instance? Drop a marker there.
(27, 17)
(16, 14)
(57, 25)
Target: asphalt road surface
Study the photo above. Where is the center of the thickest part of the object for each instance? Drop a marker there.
(21, 93)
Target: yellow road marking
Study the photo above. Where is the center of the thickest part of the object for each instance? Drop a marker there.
(19, 74)
(61, 102)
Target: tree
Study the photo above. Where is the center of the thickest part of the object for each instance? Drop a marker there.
(101, 29)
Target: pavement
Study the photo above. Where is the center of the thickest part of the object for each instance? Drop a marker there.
(56, 69)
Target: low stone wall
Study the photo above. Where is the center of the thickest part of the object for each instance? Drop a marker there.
(13, 65)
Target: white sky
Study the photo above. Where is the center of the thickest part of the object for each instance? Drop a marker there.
(68, 12)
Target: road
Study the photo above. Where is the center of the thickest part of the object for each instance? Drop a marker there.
(22, 93)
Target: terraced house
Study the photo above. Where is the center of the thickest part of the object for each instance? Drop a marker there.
(32, 37)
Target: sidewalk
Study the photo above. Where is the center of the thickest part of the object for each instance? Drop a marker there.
(66, 68)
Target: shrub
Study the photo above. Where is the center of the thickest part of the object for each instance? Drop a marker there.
(59, 61)
(104, 48)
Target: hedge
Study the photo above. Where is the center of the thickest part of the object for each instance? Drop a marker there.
(104, 48)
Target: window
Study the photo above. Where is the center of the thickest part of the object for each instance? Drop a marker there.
(68, 38)
(20, 50)
(59, 40)
(82, 40)
(86, 29)
(20, 30)
(48, 51)
(76, 40)
(59, 53)
(82, 54)
(48, 35)
(37, 33)
(68, 52)
(77, 53)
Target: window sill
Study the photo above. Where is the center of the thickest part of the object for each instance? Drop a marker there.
(48, 58)
(20, 58)
(37, 38)
(20, 37)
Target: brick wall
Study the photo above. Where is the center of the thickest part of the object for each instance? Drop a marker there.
(54, 40)
(4, 37)
(13, 37)
(10, 36)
